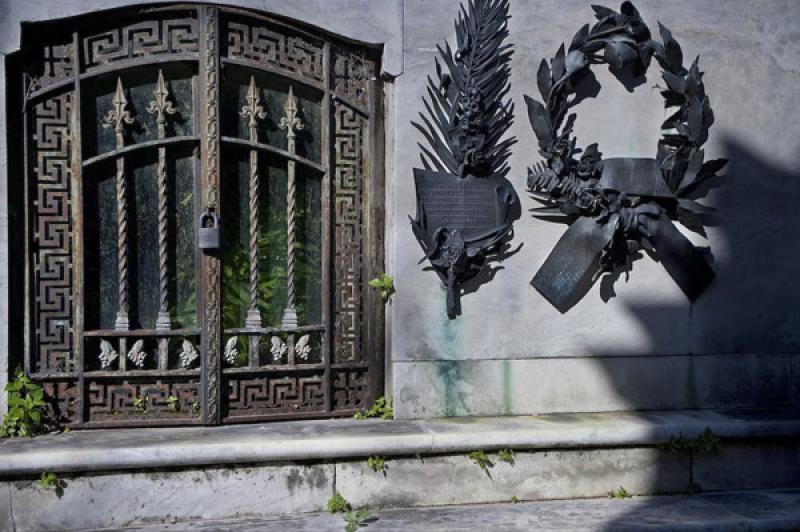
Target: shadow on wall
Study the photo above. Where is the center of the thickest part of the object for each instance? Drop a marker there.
(748, 310)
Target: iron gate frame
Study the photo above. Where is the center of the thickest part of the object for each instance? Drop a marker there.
(347, 94)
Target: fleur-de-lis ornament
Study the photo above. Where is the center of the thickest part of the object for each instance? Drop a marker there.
(107, 354)
(137, 354)
(231, 352)
(119, 115)
(302, 347)
(278, 348)
(162, 105)
(188, 354)
(291, 122)
(253, 110)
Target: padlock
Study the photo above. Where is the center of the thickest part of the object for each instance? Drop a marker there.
(208, 232)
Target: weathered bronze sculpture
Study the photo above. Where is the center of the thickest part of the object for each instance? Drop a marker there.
(618, 206)
(465, 204)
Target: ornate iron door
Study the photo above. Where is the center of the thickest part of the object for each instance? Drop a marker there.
(204, 211)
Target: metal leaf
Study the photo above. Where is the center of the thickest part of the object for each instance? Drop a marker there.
(540, 121)
(544, 80)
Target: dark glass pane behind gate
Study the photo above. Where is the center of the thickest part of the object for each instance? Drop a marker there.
(143, 252)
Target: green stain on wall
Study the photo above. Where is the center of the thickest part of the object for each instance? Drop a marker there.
(448, 367)
(449, 375)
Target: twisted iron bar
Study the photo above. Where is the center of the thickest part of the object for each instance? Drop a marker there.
(120, 116)
(162, 107)
(291, 123)
(253, 110)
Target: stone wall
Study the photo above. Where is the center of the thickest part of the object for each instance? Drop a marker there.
(647, 347)
(644, 348)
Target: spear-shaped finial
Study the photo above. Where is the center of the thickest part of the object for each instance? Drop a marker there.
(162, 104)
(291, 122)
(119, 114)
(253, 109)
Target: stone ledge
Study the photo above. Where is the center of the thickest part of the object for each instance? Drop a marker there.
(302, 441)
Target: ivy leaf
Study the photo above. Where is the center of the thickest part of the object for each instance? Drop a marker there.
(540, 121)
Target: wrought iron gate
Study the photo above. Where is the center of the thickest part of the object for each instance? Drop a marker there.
(143, 128)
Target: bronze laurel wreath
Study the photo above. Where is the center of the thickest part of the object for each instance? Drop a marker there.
(631, 203)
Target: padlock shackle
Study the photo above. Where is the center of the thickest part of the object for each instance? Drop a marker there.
(208, 214)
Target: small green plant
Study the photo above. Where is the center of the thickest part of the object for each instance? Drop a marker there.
(172, 402)
(382, 408)
(338, 504)
(385, 284)
(514, 499)
(506, 455)
(482, 461)
(620, 493)
(419, 457)
(26, 415)
(377, 464)
(355, 520)
(142, 403)
(707, 442)
(48, 481)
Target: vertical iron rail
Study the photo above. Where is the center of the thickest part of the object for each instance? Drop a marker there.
(327, 234)
(119, 116)
(211, 366)
(161, 106)
(291, 123)
(253, 111)
(77, 231)
(30, 345)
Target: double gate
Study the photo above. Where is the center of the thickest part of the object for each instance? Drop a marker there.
(204, 210)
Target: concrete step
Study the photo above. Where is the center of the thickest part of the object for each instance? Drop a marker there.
(764, 510)
(134, 476)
